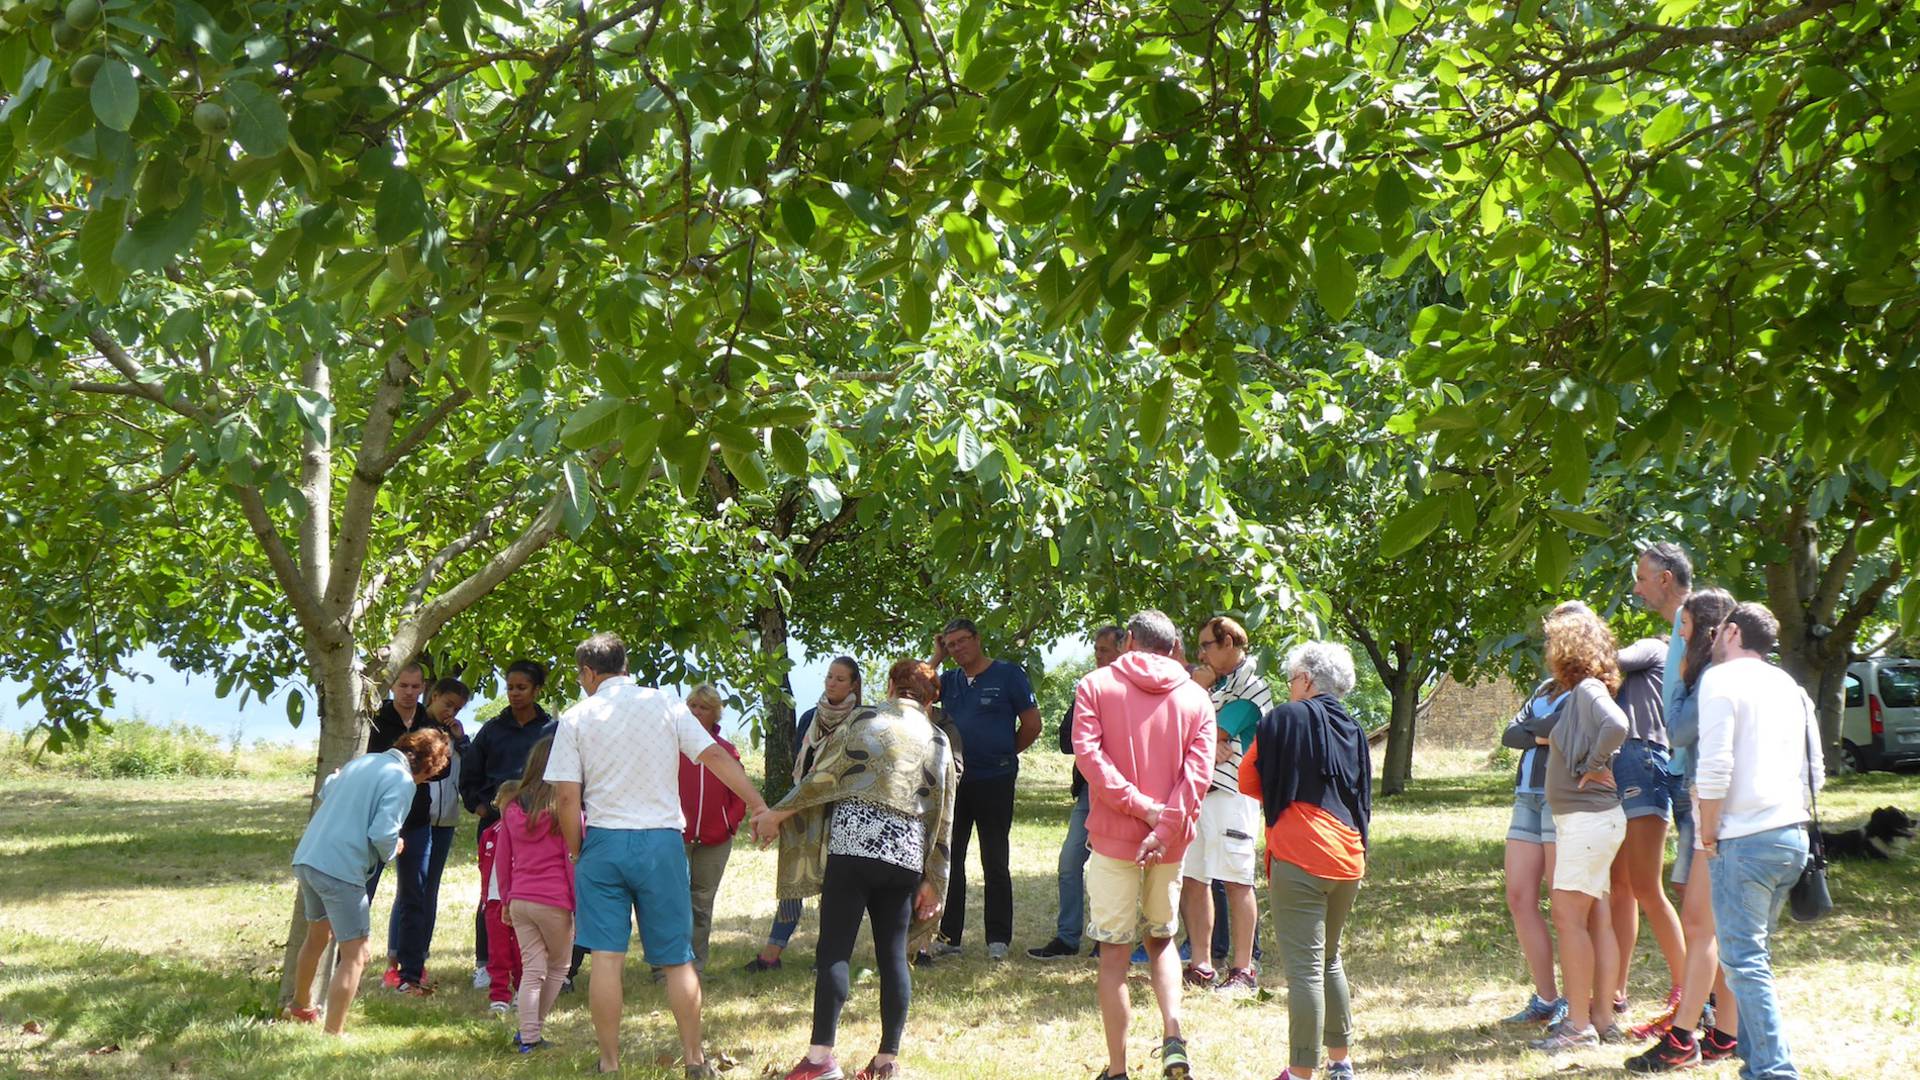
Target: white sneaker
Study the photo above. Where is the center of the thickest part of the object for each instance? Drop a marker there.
(499, 1008)
(996, 950)
(481, 980)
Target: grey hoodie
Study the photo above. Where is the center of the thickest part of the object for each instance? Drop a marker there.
(1588, 734)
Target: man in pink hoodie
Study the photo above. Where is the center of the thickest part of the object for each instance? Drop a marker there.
(1143, 735)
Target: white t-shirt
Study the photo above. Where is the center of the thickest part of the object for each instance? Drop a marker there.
(1757, 739)
(620, 746)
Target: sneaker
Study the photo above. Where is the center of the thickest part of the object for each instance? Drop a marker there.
(1653, 1028)
(499, 1008)
(413, 989)
(1615, 1035)
(996, 950)
(1717, 1045)
(527, 1047)
(1139, 955)
(1053, 950)
(1564, 1036)
(923, 958)
(1619, 1004)
(391, 980)
(1186, 952)
(1340, 1070)
(566, 985)
(1667, 1055)
(481, 980)
(756, 965)
(1200, 978)
(943, 949)
(1238, 981)
(877, 1071)
(1105, 1075)
(1173, 1059)
(811, 1070)
(1539, 1011)
(703, 1071)
(308, 1015)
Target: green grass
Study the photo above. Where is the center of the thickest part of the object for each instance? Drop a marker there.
(148, 916)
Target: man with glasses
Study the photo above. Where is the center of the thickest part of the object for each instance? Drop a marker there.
(1222, 855)
(991, 704)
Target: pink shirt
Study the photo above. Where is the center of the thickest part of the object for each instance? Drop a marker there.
(532, 862)
(1143, 738)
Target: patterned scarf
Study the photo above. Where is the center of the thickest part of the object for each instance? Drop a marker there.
(889, 755)
(827, 718)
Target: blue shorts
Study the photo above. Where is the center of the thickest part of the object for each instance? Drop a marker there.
(1646, 788)
(342, 905)
(638, 871)
(1532, 822)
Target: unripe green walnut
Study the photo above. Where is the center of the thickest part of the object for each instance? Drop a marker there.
(210, 118)
(66, 35)
(85, 68)
(82, 14)
(16, 15)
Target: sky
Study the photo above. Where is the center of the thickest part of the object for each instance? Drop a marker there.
(164, 696)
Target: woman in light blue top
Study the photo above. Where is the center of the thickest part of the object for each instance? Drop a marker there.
(355, 827)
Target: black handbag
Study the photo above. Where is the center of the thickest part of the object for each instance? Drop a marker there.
(1809, 899)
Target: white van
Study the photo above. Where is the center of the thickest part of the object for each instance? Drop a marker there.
(1880, 727)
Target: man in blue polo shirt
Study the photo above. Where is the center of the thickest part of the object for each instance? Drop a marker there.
(991, 703)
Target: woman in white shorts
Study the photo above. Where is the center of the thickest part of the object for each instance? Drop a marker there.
(1588, 822)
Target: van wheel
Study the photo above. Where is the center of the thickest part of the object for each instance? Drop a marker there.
(1853, 758)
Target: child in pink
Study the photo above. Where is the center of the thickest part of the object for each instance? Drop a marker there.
(503, 952)
(536, 890)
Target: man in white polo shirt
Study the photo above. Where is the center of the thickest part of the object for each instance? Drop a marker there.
(1758, 766)
(617, 753)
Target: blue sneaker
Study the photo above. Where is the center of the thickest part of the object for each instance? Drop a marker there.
(527, 1047)
(1340, 1070)
(1539, 1011)
(1139, 954)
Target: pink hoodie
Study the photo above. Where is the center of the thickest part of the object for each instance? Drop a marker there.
(1143, 738)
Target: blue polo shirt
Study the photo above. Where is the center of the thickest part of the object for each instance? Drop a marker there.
(986, 709)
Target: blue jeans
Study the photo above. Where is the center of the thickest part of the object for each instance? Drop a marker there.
(1751, 876)
(1073, 877)
(786, 919)
(416, 900)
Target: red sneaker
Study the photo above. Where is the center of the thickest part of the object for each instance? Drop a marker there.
(391, 980)
(811, 1070)
(309, 1015)
(1717, 1045)
(1199, 976)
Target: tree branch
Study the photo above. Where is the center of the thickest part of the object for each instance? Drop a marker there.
(435, 614)
(363, 489)
(481, 530)
(300, 591)
(824, 535)
(1833, 580)
(1668, 38)
(316, 474)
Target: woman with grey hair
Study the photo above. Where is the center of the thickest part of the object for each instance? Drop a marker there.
(1313, 774)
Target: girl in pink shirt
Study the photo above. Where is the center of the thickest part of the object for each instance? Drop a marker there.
(536, 891)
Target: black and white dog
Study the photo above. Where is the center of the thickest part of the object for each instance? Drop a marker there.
(1886, 835)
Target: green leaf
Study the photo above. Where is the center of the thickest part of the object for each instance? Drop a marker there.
(103, 229)
(1664, 126)
(64, 114)
(1610, 101)
(401, 208)
(30, 83)
(970, 242)
(476, 363)
(789, 451)
(966, 449)
(1743, 457)
(1572, 468)
(591, 424)
(579, 508)
(259, 123)
(1334, 281)
(746, 467)
(116, 97)
(826, 496)
(156, 239)
(986, 70)
(1391, 199)
(1221, 432)
(1551, 558)
(1580, 522)
(797, 214)
(296, 707)
(726, 153)
(572, 335)
(1410, 526)
(1156, 405)
(916, 308)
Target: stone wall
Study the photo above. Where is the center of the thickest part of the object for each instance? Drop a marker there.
(1467, 717)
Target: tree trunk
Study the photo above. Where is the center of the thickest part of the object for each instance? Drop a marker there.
(1819, 665)
(771, 625)
(347, 701)
(1404, 689)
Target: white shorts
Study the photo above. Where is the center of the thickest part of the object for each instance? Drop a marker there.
(1589, 840)
(1223, 844)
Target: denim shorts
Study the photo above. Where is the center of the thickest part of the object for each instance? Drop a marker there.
(1647, 789)
(342, 905)
(628, 875)
(1532, 822)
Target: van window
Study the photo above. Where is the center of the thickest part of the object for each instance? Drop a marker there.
(1856, 695)
(1900, 686)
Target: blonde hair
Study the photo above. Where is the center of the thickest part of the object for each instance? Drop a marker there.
(1581, 647)
(705, 692)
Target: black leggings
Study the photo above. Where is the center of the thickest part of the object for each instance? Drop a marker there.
(855, 887)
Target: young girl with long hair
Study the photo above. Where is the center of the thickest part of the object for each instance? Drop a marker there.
(536, 892)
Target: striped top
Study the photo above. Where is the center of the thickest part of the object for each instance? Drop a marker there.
(1243, 683)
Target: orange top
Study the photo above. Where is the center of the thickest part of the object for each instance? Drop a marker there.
(1306, 835)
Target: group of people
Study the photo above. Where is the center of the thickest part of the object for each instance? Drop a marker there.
(1698, 728)
(624, 811)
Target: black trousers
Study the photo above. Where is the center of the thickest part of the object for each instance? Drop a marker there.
(988, 806)
(480, 910)
(857, 888)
